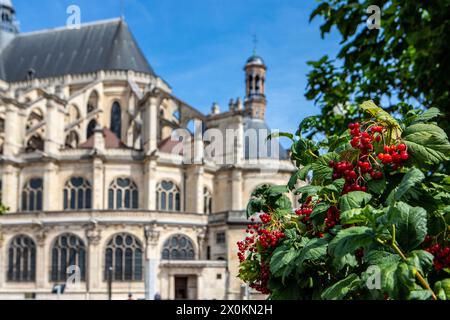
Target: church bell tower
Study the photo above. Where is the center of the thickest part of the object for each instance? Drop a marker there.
(9, 27)
(255, 75)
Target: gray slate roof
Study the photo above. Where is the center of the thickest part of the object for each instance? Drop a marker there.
(107, 45)
(259, 148)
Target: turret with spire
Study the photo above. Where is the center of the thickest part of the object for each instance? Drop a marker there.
(255, 77)
(8, 24)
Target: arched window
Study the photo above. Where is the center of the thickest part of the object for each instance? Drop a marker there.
(72, 140)
(68, 250)
(22, 259)
(73, 115)
(123, 194)
(116, 120)
(168, 197)
(124, 255)
(178, 247)
(207, 201)
(90, 128)
(92, 102)
(77, 194)
(32, 195)
(257, 84)
(35, 143)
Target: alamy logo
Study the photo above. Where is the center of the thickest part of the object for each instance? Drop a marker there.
(74, 277)
(74, 19)
(374, 279)
(374, 20)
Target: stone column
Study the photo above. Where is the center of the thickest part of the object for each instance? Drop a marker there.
(201, 238)
(94, 258)
(236, 190)
(239, 147)
(54, 139)
(3, 256)
(150, 128)
(151, 261)
(14, 132)
(195, 186)
(98, 187)
(10, 188)
(149, 197)
(42, 261)
(52, 189)
(200, 286)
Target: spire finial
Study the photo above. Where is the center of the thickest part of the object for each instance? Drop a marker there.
(122, 9)
(255, 44)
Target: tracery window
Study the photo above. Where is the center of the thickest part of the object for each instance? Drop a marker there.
(68, 250)
(93, 102)
(22, 259)
(32, 195)
(77, 194)
(123, 194)
(168, 196)
(124, 255)
(178, 247)
(116, 120)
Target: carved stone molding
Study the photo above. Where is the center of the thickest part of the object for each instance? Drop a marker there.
(151, 235)
(40, 233)
(93, 233)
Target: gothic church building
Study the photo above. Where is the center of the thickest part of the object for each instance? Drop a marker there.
(91, 182)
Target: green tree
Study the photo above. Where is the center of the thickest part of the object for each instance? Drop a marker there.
(405, 60)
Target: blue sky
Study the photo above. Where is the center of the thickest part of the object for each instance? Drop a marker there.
(200, 46)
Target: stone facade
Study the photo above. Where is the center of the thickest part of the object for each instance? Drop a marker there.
(90, 178)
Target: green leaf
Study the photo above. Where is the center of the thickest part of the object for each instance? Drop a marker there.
(442, 289)
(421, 260)
(420, 295)
(254, 206)
(379, 257)
(428, 115)
(349, 240)
(354, 200)
(412, 178)
(341, 288)
(427, 143)
(308, 190)
(410, 223)
(379, 114)
(377, 186)
(353, 216)
(319, 213)
(303, 172)
(281, 258)
(276, 135)
(314, 249)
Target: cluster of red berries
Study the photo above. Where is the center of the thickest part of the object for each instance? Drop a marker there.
(351, 174)
(394, 156)
(333, 218)
(258, 234)
(441, 255)
(362, 140)
(263, 281)
(305, 210)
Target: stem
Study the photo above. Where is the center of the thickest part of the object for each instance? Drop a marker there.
(404, 258)
(313, 154)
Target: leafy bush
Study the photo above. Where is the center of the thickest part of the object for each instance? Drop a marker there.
(372, 224)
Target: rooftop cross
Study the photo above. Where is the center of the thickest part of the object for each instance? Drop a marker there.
(255, 44)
